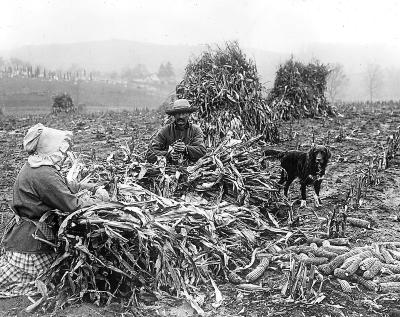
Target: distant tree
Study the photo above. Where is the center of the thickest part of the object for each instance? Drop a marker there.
(166, 71)
(138, 72)
(113, 75)
(15, 62)
(36, 73)
(336, 81)
(373, 79)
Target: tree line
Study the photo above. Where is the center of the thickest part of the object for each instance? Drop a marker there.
(16, 67)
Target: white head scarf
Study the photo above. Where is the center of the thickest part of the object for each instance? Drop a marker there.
(46, 146)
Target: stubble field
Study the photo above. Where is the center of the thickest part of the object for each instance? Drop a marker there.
(355, 136)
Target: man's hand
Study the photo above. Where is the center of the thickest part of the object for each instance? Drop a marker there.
(175, 155)
(179, 147)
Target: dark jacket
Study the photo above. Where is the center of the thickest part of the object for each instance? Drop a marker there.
(191, 135)
(36, 191)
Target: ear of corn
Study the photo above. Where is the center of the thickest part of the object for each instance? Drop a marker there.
(351, 269)
(258, 271)
(373, 270)
(336, 249)
(235, 278)
(340, 274)
(376, 253)
(339, 241)
(346, 263)
(360, 223)
(390, 287)
(325, 269)
(320, 252)
(315, 260)
(395, 254)
(367, 263)
(387, 256)
(389, 278)
(369, 285)
(344, 285)
(251, 287)
(392, 267)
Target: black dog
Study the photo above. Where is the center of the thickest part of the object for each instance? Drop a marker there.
(309, 167)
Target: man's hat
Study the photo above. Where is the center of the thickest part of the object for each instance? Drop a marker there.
(180, 106)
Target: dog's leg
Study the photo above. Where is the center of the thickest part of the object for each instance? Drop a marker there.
(289, 181)
(283, 177)
(303, 187)
(317, 188)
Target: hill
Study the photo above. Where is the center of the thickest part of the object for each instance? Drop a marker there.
(115, 55)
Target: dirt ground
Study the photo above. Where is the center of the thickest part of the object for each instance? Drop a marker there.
(353, 136)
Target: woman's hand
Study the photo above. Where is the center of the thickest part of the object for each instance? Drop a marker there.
(102, 194)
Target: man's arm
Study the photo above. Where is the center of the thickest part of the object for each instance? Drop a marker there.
(157, 146)
(196, 148)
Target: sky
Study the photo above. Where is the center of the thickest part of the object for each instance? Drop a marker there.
(281, 25)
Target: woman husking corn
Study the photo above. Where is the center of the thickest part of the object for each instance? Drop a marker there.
(39, 190)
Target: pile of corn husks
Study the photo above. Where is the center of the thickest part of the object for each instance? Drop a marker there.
(226, 88)
(299, 91)
(147, 244)
(228, 172)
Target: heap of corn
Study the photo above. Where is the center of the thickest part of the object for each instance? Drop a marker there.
(226, 88)
(144, 243)
(63, 103)
(376, 267)
(299, 90)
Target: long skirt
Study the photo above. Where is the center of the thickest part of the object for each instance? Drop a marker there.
(19, 271)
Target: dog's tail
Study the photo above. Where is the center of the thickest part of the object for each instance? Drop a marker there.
(271, 153)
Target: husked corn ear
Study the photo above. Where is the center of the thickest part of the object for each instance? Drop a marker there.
(339, 273)
(373, 270)
(337, 262)
(369, 285)
(395, 268)
(251, 287)
(349, 254)
(360, 223)
(298, 249)
(334, 241)
(389, 278)
(346, 263)
(325, 269)
(390, 287)
(315, 260)
(377, 253)
(258, 271)
(320, 252)
(353, 267)
(387, 256)
(302, 257)
(395, 254)
(365, 254)
(336, 249)
(339, 241)
(367, 263)
(391, 245)
(234, 278)
(282, 257)
(345, 285)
